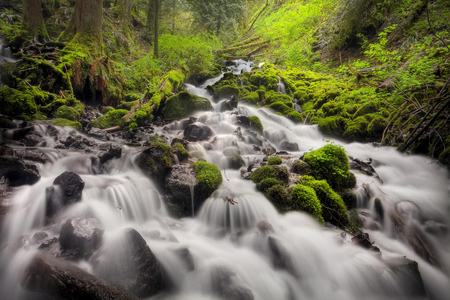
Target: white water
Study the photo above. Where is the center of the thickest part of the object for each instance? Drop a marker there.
(222, 235)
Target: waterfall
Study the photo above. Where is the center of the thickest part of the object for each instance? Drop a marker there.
(237, 231)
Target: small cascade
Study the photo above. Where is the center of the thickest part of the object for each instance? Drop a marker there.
(281, 87)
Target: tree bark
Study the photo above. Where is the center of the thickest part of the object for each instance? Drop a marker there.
(85, 28)
(155, 50)
(33, 21)
(150, 24)
(123, 9)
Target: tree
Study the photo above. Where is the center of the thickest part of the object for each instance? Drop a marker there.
(85, 28)
(149, 25)
(156, 10)
(123, 11)
(33, 21)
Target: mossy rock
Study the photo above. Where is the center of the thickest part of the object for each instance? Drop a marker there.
(281, 108)
(444, 157)
(333, 126)
(17, 104)
(227, 91)
(127, 105)
(111, 119)
(269, 81)
(334, 210)
(377, 126)
(277, 172)
(107, 109)
(304, 198)
(64, 122)
(267, 183)
(331, 163)
(301, 168)
(156, 161)
(66, 112)
(357, 129)
(256, 124)
(277, 196)
(367, 108)
(208, 179)
(252, 98)
(184, 104)
(181, 152)
(275, 160)
(235, 162)
(176, 78)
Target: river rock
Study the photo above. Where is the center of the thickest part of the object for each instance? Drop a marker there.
(230, 151)
(38, 237)
(63, 280)
(406, 272)
(33, 154)
(363, 240)
(178, 189)
(114, 151)
(243, 121)
(6, 150)
(6, 122)
(130, 263)
(185, 255)
(79, 238)
(17, 172)
(230, 104)
(280, 257)
(364, 166)
(226, 285)
(197, 132)
(156, 161)
(286, 145)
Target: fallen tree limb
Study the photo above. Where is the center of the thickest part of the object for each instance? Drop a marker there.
(257, 16)
(234, 49)
(244, 42)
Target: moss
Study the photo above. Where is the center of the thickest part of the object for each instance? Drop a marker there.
(127, 105)
(334, 210)
(281, 108)
(180, 151)
(304, 198)
(256, 124)
(227, 91)
(269, 81)
(107, 109)
(331, 163)
(277, 172)
(209, 178)
(295, 116)
(267, 183)
(332, 126)
(357, 129)
(235, 162)
(176, 78)
(277, 195)
(377, 126)
(184, 104)
(17, 104)
(167, 154)
(65, 122)
(444, 157)
(111, 119)
(301, 167)
(367, 108)
(276, 160)
(66, 112)
(252, 98)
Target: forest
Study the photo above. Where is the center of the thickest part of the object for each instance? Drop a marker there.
(240, 149)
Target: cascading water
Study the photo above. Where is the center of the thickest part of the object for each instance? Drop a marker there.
(237, 236)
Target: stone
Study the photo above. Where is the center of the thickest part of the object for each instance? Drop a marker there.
(226, 285)
(17, 172)
(286, 145)
(197, 132)
(364, 166)
(243, 121)
(230, 104)
(38, 237)
(79, 238)
(186, 257)
(63, 280)
(178, 188)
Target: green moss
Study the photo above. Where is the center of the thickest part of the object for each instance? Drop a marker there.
(65, 122)
(107, 109)
(252, 98)
(111, 119)
(180, 151)
(295, 116)
(227, 91)
(17, 104)
(331, 163)
(209, 178)
(444, 157)
(367, 108)
(301, 167)
(276, 160)
(334, 210)
(184, 104)
(357, 129)
(304, 198)
(277, 172)
(167, 152)
(265, 79)
(281, 108)
(66, 112)
(176, 78)
(256, 124)
(127, 105)
(277, 195)
(377, 126)
(267, 183)
(235, 162)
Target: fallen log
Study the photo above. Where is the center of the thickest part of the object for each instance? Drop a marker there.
(247, 46)
(112, 129)
(63, 280)
(244, 42)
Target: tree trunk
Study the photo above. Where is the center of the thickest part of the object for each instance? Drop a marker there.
(123, 10)
(33, 21)
(155, 51)
(85, 28)
(150, 24)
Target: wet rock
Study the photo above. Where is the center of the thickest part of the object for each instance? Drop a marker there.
(407, 273)
(408, 210)
(187, 258)
(67, 189)
(230, 104)
(226, 285)
(132, 265)
(6, 150)
(32, 140)
(17, 172)
(280, 257)
(265, 227)
(156, 161)
(63, 280)
(99, 134)
(19, 133)
(237, 132)
(178, 188)
(33, 154)
(364, 166)
(235, 162)
(48, 243)
(286, 145)
(79, 238)
(197, 132)
(437, 229)
(231, 151)
(6, 122)
(378, 205)
(363, 240)
(38, 237)
(114, 151)
(243, 121)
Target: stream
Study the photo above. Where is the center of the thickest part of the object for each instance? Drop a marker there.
(320, 262)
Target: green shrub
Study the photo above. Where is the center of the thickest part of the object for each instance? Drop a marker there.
(275, 160)
(304, 198)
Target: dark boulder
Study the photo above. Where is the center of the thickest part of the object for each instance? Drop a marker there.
(66, 189)
(114, 151)
(178, 184)
(156, 161)
(130, 263)
(6, 122)
(364, 166)
(363, 240)
(197, 132)
(6, 150)
(99, 134)
(79, 238)
(280, 257)
(243, 121)
(186, 257)
(230, 104)
(286, 145)
(63, 280)
(226, 285)
(17, 172)
(33, 154)
(406, 273)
